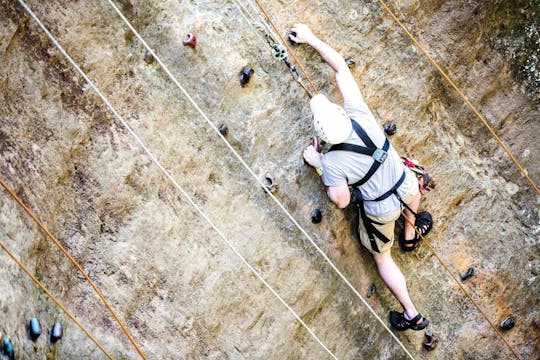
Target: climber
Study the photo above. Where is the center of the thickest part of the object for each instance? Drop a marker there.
(362, 158)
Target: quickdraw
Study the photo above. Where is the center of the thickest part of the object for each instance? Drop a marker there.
(279, 51)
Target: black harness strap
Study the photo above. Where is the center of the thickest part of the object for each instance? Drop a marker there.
(393, 190)
(379, 156)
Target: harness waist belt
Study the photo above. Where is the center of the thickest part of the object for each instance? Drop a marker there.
(391, 191)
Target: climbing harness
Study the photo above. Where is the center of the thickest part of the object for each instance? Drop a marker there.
(379, 155)
(423, 220)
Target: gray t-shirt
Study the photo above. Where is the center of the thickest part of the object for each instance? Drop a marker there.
(346, 167)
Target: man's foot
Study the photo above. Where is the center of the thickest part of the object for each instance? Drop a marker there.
(423, 225)
(409, 245)
(401, 323)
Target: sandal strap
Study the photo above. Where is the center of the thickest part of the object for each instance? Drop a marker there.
(414, 320)
(412, 241)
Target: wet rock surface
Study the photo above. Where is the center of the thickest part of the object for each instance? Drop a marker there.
(171, 277)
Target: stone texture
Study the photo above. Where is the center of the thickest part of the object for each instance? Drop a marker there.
(182, 292)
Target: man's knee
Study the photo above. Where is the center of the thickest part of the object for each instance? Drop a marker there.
(382, 258)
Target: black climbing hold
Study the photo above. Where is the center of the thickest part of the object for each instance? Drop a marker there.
(223, 129)
(289, 40)
(390, 128)
(34, 328)
(468, 274)
(507, 323)
(372, 290)
(270, 183)
(245, 75)
(190, 40)
(316, 216)
(431, 340)
(7, 348)
(148, 57)
(56, 332)
(350, 62)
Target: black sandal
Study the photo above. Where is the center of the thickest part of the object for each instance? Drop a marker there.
(413, 242)
(400, 323)
(423, 223)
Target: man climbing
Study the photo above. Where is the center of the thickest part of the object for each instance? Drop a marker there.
(362, 158)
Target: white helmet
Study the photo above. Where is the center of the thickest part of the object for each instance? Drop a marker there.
(330, 120)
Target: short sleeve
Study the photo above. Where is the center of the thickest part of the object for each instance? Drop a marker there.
(332, 175)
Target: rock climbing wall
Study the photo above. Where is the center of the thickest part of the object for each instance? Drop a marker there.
(169, 271)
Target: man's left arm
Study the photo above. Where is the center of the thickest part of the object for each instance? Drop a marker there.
(340, 194)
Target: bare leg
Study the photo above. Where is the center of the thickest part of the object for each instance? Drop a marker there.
(394, 279)
(409, 229)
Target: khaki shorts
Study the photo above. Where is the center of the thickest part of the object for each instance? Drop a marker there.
(385, 225)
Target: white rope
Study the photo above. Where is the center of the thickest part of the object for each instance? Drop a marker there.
(251, 22)
(170, 177)
(173, 78)
(269, 29)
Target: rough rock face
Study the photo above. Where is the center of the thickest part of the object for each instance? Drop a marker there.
(181, 291)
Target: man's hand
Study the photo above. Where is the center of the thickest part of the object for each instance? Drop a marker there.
(303, 34)
(312, 157)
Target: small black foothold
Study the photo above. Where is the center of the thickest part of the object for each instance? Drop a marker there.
(223, 129)
(431, 340)
(507, 323)
(148, 57)
(468, 274)
(245, 75)
(390, 128)
(56, 332)
(372, 290)
(350, 62)
(270, 183)
(34, 328)
(316, 216)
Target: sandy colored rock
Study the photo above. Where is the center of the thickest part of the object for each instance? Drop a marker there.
(172, 278)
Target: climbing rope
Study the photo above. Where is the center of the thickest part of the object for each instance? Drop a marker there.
(53, 298)
(170, 177)
(74, 262)
(246, 166)
(465, 99)
(462, 287)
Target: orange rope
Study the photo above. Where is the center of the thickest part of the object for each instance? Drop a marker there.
(77, 265)
(462, 287)
(471, 106)
(286, 45)
(53, 298)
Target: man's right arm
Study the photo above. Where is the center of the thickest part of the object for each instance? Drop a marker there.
(345, 81)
